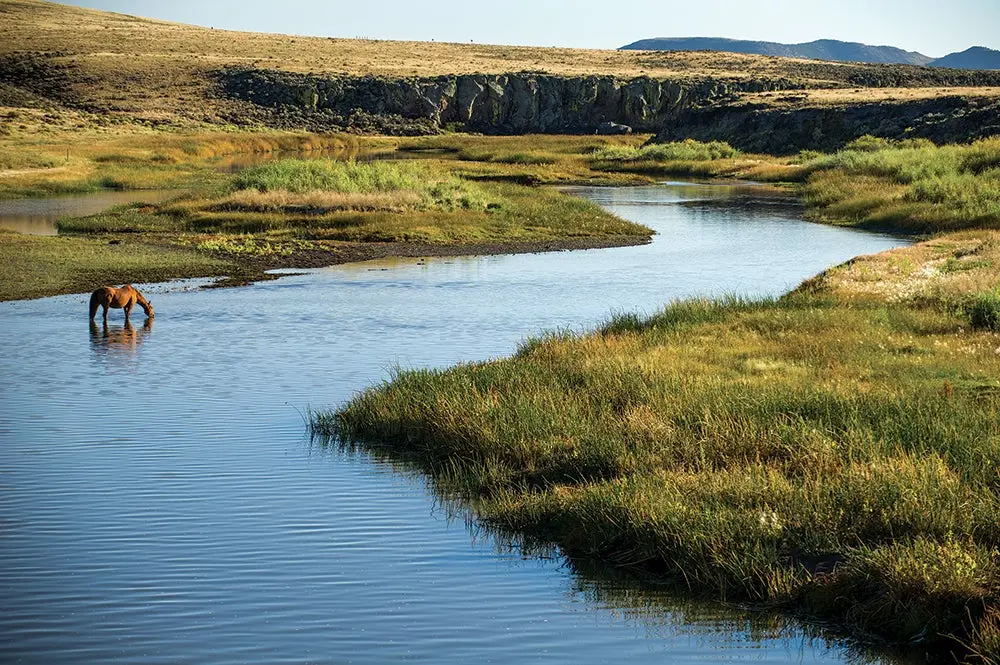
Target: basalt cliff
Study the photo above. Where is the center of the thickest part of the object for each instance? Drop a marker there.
(528, 102)
(492, 104)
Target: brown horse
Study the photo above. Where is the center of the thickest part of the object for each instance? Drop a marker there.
(124, 298)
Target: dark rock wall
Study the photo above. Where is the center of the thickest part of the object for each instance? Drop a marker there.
(784, 131)
(492, 104)
(703, 109)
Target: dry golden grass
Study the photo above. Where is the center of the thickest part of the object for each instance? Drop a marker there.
(947, 268)
(847, 95)
(104, 40)
(158, 71)
(316, 202)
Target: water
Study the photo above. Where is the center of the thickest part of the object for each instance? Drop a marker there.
(160, 501)
(39, 216)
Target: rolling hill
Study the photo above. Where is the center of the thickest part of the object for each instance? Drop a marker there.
(976, 57)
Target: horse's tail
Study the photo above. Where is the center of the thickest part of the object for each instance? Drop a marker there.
(95, 302)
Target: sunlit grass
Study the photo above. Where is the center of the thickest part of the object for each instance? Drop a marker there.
(36, 266)
(129, 159)
(367, 202)
(739, 447)
(689, 150)
(911, 186)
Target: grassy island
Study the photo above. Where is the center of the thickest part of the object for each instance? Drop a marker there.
(303, 213)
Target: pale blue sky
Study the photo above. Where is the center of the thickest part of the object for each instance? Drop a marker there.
(933, 27)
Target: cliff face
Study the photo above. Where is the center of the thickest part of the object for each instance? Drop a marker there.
(491, 104)
(528, 103)
(784, 131)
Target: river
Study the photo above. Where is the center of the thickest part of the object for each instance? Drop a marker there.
(162, 502)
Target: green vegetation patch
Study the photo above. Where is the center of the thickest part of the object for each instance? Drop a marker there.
(909, 186)
(269, 205)
(36, 266)
(432, 189)
(688, 150)
(790, 452)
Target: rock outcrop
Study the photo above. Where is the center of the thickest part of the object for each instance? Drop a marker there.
(788, 130)
(492, 104)
(527, 103)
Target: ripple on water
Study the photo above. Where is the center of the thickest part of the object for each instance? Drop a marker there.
(160, 501)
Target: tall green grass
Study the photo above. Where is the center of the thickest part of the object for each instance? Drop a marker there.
(437, 189)
(790, 452)
(910, 186)
(300, 175)
(687, 150)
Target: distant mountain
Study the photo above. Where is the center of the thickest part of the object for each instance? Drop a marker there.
(823, 49)
(976, 57)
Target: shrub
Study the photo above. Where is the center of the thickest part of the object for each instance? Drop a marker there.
(687, 150)
(984, 312)
(867, 143)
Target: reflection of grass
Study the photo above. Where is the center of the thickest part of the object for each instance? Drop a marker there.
(737, 447)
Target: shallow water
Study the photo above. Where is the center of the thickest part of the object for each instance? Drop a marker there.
(39, 216)
(161, 502)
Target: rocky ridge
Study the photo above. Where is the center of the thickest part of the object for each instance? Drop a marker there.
(519, 103)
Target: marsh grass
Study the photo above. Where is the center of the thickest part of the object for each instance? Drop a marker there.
(790, 452)
(908, 186)
(680, 151)
(316, 201)
(984, 311)
(536, 159)
(36, 266)
(435, 189)
(366, 202)
(695, 159)
(64, 161)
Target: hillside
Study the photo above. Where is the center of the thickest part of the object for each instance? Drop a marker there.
(126, 69)
(976, 57)
(823, 49)
(833, 50)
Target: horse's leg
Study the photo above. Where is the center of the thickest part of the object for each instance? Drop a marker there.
(105, 306)
(128, 309)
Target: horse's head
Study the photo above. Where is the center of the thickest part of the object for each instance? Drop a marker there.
(147, 307)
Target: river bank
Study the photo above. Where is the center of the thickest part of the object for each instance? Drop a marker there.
(831, 456)
(496, 203)
(297, 213)
(831, 452)
(212, 528)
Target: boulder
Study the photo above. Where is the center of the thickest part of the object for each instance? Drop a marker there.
(612, 128)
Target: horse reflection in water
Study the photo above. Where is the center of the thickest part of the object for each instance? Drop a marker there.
(118, 340)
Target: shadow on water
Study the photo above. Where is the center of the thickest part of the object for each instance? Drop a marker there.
(123, 340)
(658, 605)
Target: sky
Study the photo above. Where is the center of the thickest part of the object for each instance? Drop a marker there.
(932, 27)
